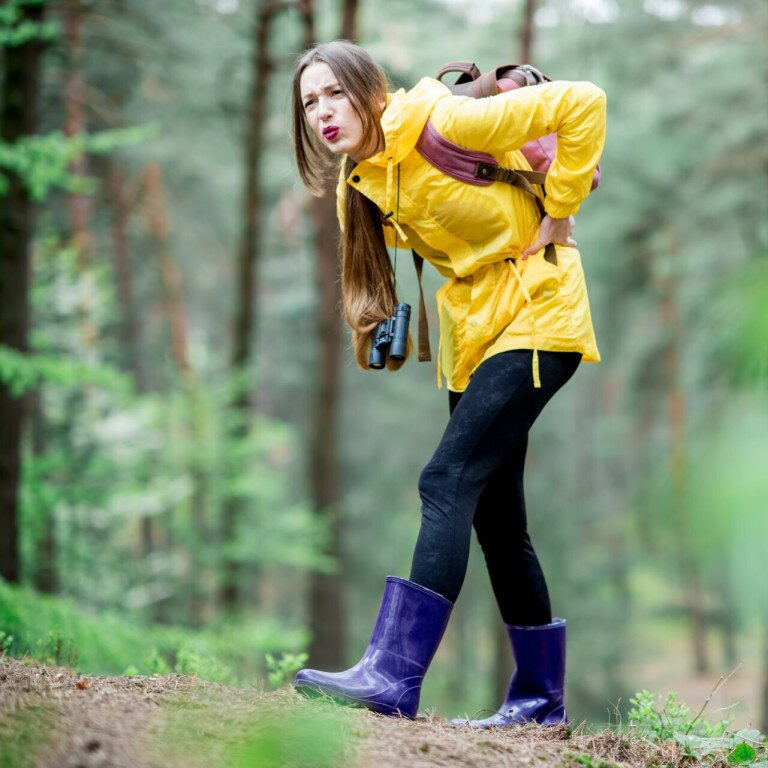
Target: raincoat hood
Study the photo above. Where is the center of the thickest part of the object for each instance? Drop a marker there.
(404, 119)
(402, 122)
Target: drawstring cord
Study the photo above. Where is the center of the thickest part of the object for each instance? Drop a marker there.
(390, 183)
(534, 329)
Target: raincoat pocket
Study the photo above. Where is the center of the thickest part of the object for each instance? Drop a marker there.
(551, 290)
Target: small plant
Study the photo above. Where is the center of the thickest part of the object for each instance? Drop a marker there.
(6, 643)
(156, 664)
(280, 670)
(674, 717)
(191, 662)
(57, 650)
(696, 736)
(582, 758)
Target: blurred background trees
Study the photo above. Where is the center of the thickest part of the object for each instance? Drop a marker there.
(185, 441)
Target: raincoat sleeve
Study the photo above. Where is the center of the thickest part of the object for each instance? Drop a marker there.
(507, 121)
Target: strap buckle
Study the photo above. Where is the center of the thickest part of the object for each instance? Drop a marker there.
(486, 171)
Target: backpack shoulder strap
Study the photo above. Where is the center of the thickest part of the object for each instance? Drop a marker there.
(425, 353)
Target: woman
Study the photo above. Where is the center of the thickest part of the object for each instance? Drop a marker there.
(513, 329)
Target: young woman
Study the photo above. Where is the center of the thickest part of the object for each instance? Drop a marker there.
(513, 328)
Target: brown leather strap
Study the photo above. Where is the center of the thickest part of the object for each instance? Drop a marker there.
(425, 353)
(467, 70)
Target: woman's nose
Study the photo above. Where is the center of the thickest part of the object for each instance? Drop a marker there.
(324, 107)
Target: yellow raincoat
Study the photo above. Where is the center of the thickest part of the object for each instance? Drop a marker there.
(490, 303)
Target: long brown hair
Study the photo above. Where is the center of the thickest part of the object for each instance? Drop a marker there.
(367, 282)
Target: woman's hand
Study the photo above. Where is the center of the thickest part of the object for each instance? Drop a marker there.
(552, 231)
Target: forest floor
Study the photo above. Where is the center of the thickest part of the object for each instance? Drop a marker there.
(52, 717)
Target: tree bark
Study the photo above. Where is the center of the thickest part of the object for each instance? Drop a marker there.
(119, 197)
(349, 20)
(170, 279)
(46, 576)
(326, 592)
(676, 407)
(18, 118)
(327, 589)
(79, 206)
(247, 284)
(526, 32)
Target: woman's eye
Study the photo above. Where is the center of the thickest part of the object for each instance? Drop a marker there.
(337, 92)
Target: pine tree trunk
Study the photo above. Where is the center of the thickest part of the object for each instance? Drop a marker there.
(18, 118)
(45, 577)
(526, 32)
(170, 279)
(247, 283)
(79, 206)
(326, 591)
(119, 198)
(676, 406)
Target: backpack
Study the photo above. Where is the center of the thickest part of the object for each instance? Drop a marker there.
(480, 168)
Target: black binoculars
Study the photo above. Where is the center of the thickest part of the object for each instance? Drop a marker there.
(390, 337)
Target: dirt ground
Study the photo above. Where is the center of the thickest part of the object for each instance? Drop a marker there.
(51, 717)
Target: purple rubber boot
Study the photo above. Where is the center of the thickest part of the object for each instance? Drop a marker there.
(388, 678)
(536, 690)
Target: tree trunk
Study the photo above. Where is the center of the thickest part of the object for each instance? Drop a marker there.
(119, 197)
(170, 279)
(45, 577)
(79, 206)
(247, 282)
(349, 20)
(18, 118)
(676, 406)
(326, 592)
(526, 32)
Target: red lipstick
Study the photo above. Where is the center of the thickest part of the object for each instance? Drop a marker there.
(330, 132)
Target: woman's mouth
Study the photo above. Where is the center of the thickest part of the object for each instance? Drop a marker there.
(330, 132)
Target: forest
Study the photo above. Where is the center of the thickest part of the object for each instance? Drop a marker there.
(196, 478)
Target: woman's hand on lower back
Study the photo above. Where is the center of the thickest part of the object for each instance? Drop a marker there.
(552, 231)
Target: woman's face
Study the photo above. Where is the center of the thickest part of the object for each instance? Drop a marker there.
(330, 113)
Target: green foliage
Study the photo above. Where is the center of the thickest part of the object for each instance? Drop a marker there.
(43, 162)
(282, 669)
(583, 758)
(698, 738)
(55, 631)
(190, 661)
(21, 372)
(314, 740)
(224, 731)
(736, 748)
(674, 717)
(56, 649)
(6, 642)
(14, 31)
(25, 733)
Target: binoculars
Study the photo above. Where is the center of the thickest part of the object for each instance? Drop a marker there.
(390, 338)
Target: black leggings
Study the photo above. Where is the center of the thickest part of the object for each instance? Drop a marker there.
(476, 478)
